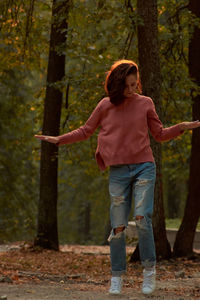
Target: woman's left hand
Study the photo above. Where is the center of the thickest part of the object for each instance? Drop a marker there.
(189, 125)
(47, 138)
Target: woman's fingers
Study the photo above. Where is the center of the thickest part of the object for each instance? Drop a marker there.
(190, 125)
(42, 137)
(50, 139)
(197, 123)
(194, 124)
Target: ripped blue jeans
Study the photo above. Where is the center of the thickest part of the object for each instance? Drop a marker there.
(125, 183)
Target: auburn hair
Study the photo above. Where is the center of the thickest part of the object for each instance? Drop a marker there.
(116, 77)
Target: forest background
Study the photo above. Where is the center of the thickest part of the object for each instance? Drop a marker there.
(98, 33)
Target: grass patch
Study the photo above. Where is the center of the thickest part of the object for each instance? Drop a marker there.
(175, 223)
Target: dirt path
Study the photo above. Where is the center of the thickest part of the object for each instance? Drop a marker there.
(83, 272)
(54, 291)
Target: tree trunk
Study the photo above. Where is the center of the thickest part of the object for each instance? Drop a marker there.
(47, 234)
(184, 240)
(87, 221)
(149, 64)
(173, 197)
(84, 223)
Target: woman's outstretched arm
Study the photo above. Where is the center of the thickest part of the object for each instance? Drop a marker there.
(79, 134)
(162, 134)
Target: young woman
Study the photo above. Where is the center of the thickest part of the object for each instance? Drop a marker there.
(124, 118)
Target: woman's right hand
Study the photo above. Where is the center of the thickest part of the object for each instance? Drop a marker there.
(189, 125)
(47, 138)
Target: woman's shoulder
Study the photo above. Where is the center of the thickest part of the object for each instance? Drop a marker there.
(143, 98)
(104, 102)
(146, 100)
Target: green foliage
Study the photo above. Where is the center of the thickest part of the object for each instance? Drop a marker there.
(18, 161)
(175, 25)
(18, 171)
(175, 223)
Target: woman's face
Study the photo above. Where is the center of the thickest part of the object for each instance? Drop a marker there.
(130, 85)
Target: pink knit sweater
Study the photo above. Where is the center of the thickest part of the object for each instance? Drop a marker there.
(123, 137)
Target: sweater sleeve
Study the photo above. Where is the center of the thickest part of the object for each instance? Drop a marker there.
(83, 132)
(159, 133)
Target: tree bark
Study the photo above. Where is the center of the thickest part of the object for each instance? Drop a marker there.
(149, 64)
(47, 234)
(84, 223)
(87, 221)
(183, 245)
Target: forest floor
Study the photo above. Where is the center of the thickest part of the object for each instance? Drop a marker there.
(83, 272)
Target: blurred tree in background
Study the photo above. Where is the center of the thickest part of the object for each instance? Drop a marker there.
(149, 61)
(20, 84)
(47, 234)
(185, 236)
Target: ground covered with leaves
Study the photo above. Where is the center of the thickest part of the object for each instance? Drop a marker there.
(83, 272)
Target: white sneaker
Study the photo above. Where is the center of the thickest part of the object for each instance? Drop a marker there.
(149, 280)
(116, 285)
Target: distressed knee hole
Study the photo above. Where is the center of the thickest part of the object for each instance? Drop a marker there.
(117, 200)
(139, 217)
(141, 222)
(119, 229)
(117, 235)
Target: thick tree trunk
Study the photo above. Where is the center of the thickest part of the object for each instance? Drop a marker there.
(184, 240)
(84, 223)
(149, 65)
(173, 197)
(87, 221)
(47, 235)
